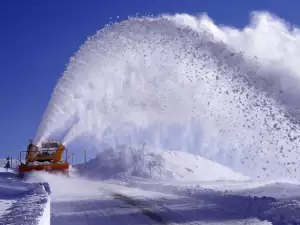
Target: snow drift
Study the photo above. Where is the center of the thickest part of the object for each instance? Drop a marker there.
(180, 82)
(126, 162)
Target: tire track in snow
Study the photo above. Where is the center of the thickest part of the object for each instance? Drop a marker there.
(144, 209)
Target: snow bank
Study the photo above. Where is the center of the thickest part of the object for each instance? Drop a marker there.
(26, 203)
(4, 206)
(197, 168)
(45, 218)
(155, 164)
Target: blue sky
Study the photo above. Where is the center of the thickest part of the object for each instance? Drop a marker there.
(38, 37)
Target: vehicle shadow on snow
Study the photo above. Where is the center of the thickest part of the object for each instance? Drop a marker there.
(202, 207)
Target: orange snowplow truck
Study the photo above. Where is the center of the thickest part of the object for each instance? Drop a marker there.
(48, 157)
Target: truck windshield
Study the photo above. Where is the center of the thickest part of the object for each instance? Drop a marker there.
(50, 145)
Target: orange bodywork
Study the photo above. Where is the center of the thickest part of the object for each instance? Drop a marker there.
(46, 167)
(45, 159)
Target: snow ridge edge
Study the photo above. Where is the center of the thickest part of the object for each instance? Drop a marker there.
(32, 208)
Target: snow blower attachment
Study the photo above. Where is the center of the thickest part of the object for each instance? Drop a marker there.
(49, 157)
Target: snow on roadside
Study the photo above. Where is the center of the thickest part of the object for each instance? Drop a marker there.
(21, 203)
(46, 217)
(155, 164)
(4, 206)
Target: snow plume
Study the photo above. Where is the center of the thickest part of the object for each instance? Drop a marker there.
(186, 83)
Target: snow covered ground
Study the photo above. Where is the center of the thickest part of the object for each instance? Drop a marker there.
(82, 201)
(130, 199)
(118, 190)
(21, 202)
(157, 164)
(144, 197)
